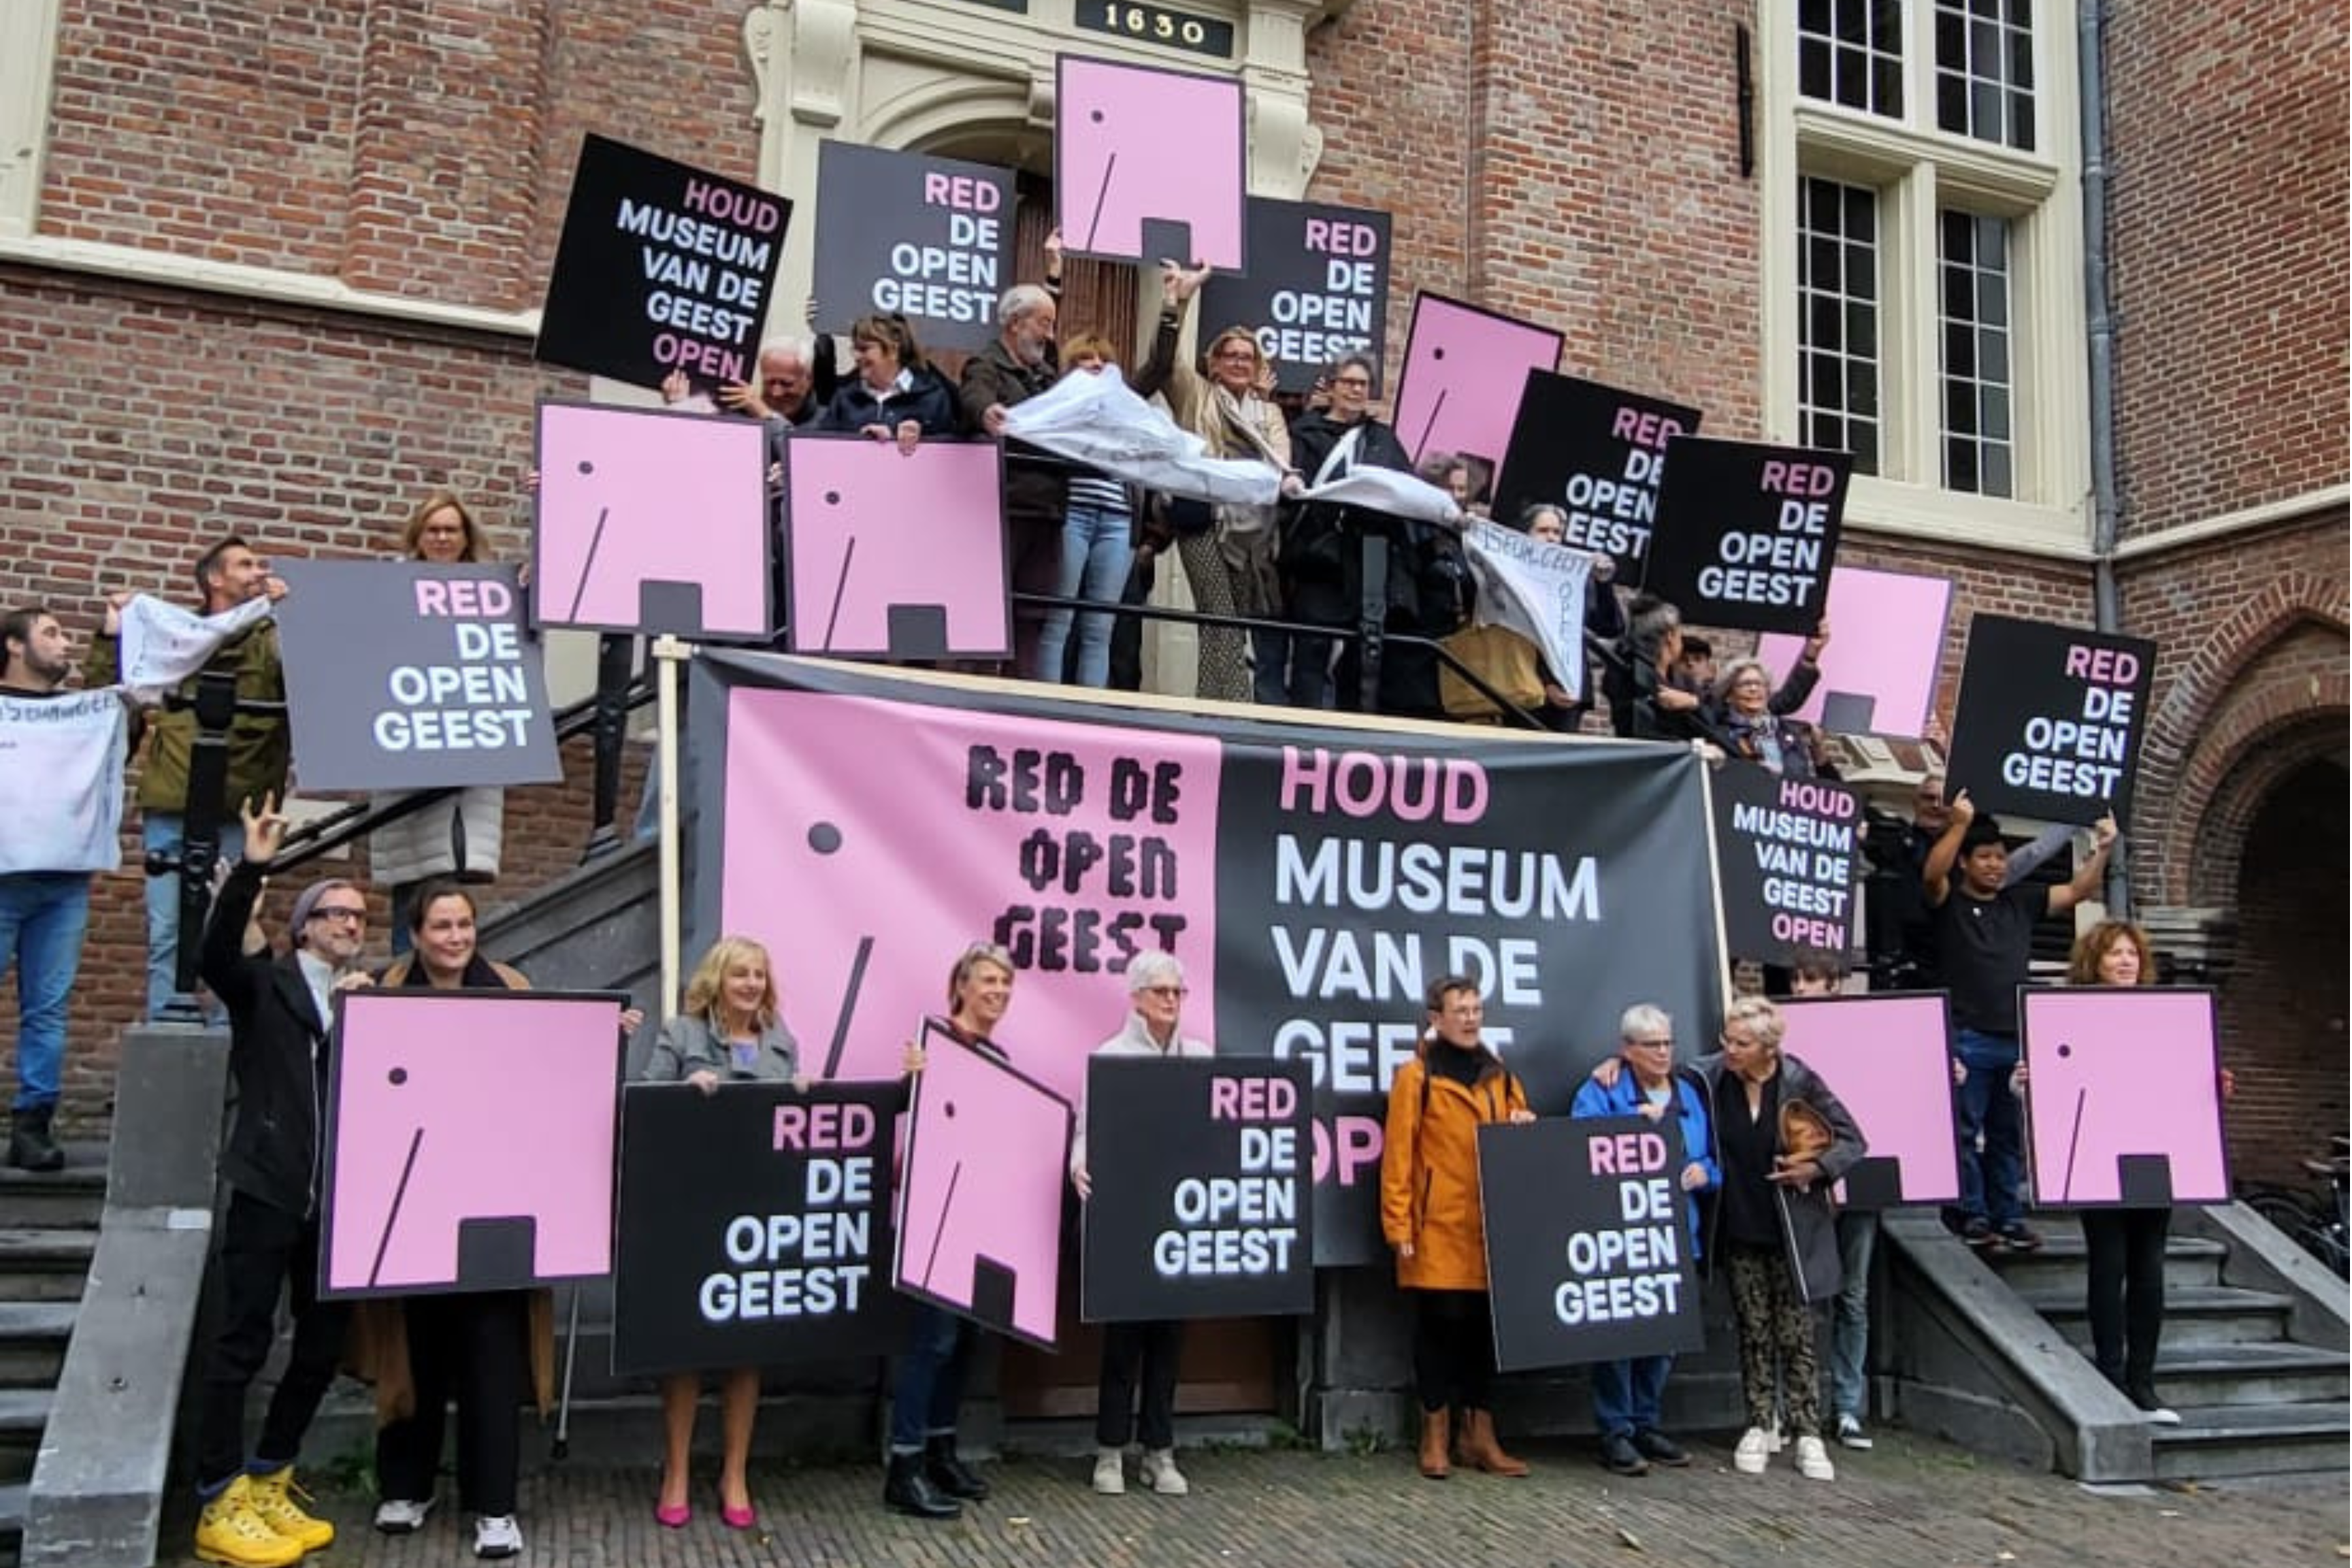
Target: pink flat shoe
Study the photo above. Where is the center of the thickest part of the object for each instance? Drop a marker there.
(673, 1516)
(742, 1518)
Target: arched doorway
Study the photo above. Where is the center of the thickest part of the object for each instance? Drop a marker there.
(2283, 1003)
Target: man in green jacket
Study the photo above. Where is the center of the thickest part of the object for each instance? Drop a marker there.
(228, 575)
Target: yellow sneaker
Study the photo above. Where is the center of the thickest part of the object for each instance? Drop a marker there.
(274, 1497)
(229, 1531)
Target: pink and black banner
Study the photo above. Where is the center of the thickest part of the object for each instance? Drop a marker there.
(1313, 879)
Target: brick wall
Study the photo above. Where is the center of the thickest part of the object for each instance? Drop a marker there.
(2229, 171)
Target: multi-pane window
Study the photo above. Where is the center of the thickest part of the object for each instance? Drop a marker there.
(1837, 306)
(1979, 446)
(1851, 52)
(1984, 70)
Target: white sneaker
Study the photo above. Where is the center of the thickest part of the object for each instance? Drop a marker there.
(2161, 1415)
(497, 1535)
(398, 1516)
(1814, 1460)
(1850, 1433)
(1110, 1472)
(1158, 1472)
(1754, 1452)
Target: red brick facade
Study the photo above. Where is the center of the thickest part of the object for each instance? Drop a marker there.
(1580, 167)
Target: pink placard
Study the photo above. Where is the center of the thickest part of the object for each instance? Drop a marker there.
(1886, 642)
(897, 553)
(1139, 144)
(651, 522)
(469, 1141)
(1888, 1058)
(1464, 370)
(2124, 1083)
(980, 1204)
(843, 784)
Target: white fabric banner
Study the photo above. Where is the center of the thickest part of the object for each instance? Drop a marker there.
(61, 781)
(1535, 589)
(162, 645)
(1098, 419)
(1386, 489)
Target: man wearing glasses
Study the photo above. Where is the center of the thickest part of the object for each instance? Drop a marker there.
(280, 1010)
(1626, 1394)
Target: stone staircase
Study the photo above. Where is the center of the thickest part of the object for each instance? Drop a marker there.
(2255, 1400)
(49, 1230)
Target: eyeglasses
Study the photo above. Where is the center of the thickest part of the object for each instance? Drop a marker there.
(337, 912)
(1356, 383)
(1167, 993)
(1665, 1044)
(1236, 352)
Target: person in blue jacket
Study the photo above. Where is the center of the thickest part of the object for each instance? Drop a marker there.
(1626, 1394)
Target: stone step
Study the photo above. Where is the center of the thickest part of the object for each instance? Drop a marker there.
(2188, 1262)
(2253, 1374)
(46, 1263)
(2213, 1443)
(72, 1197)
(23, 1414)
(33, 1337)
(12, 1522)
(2200, 1315)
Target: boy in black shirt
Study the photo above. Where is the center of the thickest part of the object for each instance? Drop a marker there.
(1984, 933)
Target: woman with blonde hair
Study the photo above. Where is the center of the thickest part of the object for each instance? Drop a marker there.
(729, 1029)
(1229, 552)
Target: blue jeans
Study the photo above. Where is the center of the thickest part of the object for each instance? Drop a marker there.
(1097, 551)
(1626, 1393)
(43, 915)
(162, 830)
(1858, 1236)
(930, 1377)
(1989, 1181)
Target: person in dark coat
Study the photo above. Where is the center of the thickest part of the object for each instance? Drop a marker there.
(896, 396)
(1322, 549)
(1018, 365)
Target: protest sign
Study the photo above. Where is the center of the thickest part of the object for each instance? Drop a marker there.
(1535, 589)
(2123, 1097)
(1746, 533)
(1888, 1059)
(1318, 288)
(652, 522)
(405, 674)
(755, 1226)
(1459, 391)
(1588, 1241)
(1596, 453)
(896, 553)
(1878, 673)
(979, 1206)
(661, 267)
(61, 781)
(906, 233)
(1312, 879)
(1147, 163)
(469, 1141)
(1787, 855)
(1202, 1175)
(2050, 719)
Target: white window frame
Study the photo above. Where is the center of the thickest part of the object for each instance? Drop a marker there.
(1917, 171)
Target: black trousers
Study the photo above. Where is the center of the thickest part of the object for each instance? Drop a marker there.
(1453, 1349)
(1151, 1350)
(476, 1347)
(264, 1250)
(2124, 1251)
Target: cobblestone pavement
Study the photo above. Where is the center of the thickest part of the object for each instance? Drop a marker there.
(1908, 1501)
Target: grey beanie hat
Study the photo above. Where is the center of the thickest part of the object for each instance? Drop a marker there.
(306, 900)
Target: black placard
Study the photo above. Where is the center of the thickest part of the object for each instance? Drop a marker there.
(755, 1226)
(1596, 453)
(1787, 854)
(1588, 1241)
(1203, 1175)
(1318, 288)
(405, 675)
(662, 267)
(2050, 719)
(927, 238)
(1747, 534)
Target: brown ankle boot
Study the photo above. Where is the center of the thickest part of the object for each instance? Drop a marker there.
(1480, 1447)
(1433, 1444)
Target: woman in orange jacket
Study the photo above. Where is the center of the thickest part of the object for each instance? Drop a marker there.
(1429, 1212)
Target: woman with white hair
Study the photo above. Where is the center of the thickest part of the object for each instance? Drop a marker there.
(1146, 1352)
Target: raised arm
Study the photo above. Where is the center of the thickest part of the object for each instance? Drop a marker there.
(1937, 873)
(2086, 878)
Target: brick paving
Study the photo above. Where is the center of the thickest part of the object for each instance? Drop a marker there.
(1909, 1501)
